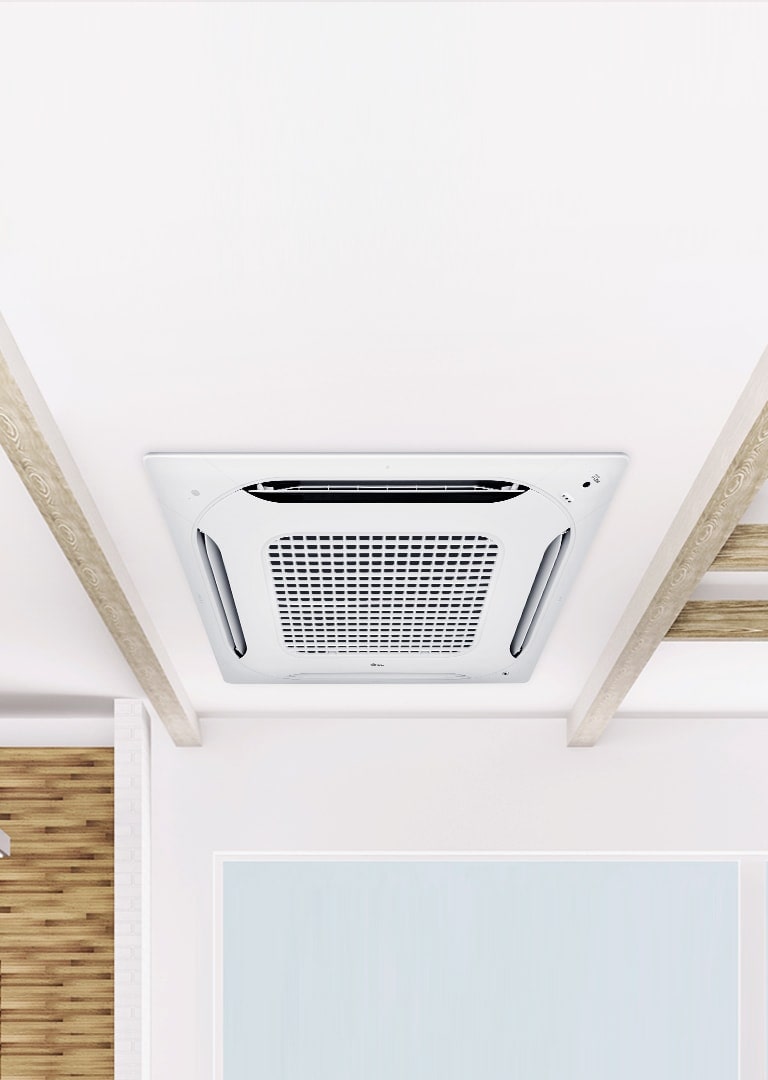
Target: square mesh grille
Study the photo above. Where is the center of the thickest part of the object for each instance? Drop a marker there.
(381, 594)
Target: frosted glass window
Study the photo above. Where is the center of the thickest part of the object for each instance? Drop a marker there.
(489, 971)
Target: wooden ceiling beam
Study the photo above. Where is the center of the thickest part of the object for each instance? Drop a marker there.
(31, 439)
(733, 473)
(745, 549)
(721, 620)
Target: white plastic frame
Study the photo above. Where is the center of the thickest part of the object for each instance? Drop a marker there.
(204, 492)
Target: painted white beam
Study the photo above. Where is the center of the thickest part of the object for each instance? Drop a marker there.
(31, 439)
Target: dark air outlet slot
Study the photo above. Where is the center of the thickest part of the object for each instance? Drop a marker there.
(400, 491)
(221, 591)
(539, 593)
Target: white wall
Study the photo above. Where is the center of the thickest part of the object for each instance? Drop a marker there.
(426, 784)
(22, 729)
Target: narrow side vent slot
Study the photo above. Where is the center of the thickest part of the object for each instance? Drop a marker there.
(221, 591)
(539, 593)
(362, 491)
(389, 677)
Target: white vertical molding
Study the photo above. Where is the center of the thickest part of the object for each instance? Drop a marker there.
(753, 992)
(132, 897)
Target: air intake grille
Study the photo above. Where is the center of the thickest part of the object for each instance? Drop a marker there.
(381, 594)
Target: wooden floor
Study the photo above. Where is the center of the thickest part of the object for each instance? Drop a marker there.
(56, 914)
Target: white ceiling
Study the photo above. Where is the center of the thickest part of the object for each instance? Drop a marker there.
(289, 227)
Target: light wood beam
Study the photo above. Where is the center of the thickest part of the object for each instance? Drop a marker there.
(31, 439)
(745, 549)
(735, 470)
(721, 620)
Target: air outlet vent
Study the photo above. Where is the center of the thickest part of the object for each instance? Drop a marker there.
(360, 491)
(386, 594)
(379, 677)
(221, 590)
(382, 568)
(539, 593)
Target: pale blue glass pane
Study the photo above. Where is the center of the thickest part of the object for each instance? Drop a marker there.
(489, 971)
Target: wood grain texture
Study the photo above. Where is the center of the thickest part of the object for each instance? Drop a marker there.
(34, 445)
(721, 620)
(745, 549)
(734, 471)
(56, 914)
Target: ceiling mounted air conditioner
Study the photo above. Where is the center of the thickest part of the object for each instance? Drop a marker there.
(376, 568)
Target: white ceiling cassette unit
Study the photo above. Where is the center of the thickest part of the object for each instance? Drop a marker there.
(372, 568)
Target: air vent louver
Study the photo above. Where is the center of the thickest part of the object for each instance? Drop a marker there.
(381, 594)
(378, 677)
(357, 491)
(213, 562)
(539, 593)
